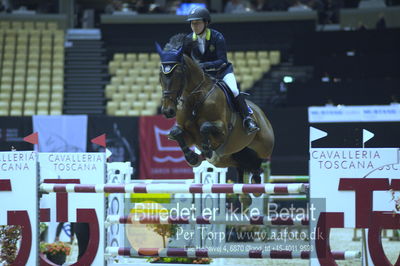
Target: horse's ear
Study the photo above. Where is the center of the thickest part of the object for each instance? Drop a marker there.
(159, 49)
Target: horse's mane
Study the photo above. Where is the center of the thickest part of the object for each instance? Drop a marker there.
(175, 42)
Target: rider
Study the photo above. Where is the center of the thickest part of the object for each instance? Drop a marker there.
(207, 46)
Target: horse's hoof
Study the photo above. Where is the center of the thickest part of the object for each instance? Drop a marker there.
(256, 179)
(197, 164)
(207, 153)
(193, 159)
(175, 133)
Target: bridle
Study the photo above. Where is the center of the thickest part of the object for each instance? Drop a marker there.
(167, 69)
(176, 95)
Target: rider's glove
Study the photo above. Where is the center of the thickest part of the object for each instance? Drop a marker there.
(203, 66)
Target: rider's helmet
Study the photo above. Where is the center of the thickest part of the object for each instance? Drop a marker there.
(199, 13)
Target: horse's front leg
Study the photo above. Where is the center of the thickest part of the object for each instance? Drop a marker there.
(178, 134)
(206, 130)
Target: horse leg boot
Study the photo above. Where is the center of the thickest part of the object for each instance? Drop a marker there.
(206, 130)
(191, 157)
(248, 123)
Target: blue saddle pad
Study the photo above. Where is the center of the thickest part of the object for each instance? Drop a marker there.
(228, 94)
(230, 98)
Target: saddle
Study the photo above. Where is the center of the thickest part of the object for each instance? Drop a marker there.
(230, 98)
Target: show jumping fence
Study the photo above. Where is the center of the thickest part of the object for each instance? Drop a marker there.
(206, 253)
(177, 188)
(101, 253)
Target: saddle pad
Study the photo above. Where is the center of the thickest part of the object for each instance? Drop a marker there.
(228, 94)
(230, 98)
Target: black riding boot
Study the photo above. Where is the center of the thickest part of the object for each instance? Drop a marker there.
(248, 123)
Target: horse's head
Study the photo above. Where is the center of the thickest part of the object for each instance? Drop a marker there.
(172, 79)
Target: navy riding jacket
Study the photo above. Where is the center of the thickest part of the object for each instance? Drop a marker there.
(214, 60)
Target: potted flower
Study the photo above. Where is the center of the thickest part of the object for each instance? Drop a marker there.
(9, 237)
(55, 252)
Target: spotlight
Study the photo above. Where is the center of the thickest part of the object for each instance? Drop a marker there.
(288, 79)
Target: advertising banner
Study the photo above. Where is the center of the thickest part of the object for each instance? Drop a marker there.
(12, 132)
(160, 158)
(355, 168)
(18, 197)
(56, 134)
(78, 168)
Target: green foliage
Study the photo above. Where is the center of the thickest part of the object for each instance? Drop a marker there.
(43, 227)
(180, 260)
(396, 200)
(9, 236)
(164, 230)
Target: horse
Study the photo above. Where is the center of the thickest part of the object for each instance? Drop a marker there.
(205, 119)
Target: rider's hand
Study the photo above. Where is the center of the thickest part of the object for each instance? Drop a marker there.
(203, 66)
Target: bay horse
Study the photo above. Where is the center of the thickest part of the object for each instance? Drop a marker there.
(204, 117)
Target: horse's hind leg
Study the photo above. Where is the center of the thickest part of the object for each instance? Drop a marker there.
(178, 135)
(240, 172)
(249, 161)
(256, 176)
(206, 130)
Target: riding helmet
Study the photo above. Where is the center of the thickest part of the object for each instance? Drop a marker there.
(199, 13)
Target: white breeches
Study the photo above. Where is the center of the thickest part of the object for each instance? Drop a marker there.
(230, 80)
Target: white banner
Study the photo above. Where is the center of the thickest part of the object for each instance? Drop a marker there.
(340, 113)
(87, 168)
(337, 173)
(56, 134)
(329, 165)
(18, 196)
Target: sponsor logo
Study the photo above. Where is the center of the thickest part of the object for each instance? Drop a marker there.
(161, 137)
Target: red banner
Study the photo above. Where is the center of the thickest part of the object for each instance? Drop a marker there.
(160, 158)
